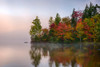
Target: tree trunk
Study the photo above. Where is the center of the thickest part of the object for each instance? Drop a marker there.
(80, 43)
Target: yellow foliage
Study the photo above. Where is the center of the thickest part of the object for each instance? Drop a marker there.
(79, 26)
(68, 35)
(84, 39)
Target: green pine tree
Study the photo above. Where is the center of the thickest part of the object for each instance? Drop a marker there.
(36, 27)
(85, 12)
(73, 20)
(50, 20)
(57, 19)
(90, 11)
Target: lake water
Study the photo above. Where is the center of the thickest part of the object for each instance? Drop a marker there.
(48, 55)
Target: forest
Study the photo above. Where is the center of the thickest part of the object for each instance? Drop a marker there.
(82, 26)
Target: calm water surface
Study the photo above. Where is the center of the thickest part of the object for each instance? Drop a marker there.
(48, 55)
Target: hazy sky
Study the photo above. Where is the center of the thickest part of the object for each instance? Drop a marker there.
(17, 15)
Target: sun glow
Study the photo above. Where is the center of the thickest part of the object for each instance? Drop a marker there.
(5, 24)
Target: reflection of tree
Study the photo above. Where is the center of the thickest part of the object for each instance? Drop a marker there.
(89, 59)
(36, 53)
(64, 56)
(56, 64)
(61, 56)
(35, 56)
(50, 63)
(44, 51)
(93, 60)
(73, 62)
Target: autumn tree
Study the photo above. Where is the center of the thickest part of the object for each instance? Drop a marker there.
(45, 33)
(63, 32)
(97, 27)
(92, 28)
(79, 29)
(66, 20)
(76, 15)
(88, 29)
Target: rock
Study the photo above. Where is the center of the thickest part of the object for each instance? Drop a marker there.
(25, 42)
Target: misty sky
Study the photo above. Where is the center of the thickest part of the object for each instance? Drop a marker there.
(17, 15)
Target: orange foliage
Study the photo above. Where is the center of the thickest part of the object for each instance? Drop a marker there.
(63, 30)
(45, 30)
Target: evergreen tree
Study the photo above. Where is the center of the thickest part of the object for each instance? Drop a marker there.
(90, 11)
(85, 12)
(73, 20)
(57, 19)
(97, 8)
(36, 27)
(50, 20)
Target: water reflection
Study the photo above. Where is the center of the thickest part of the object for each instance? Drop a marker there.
(63, 56)
(35, 56)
